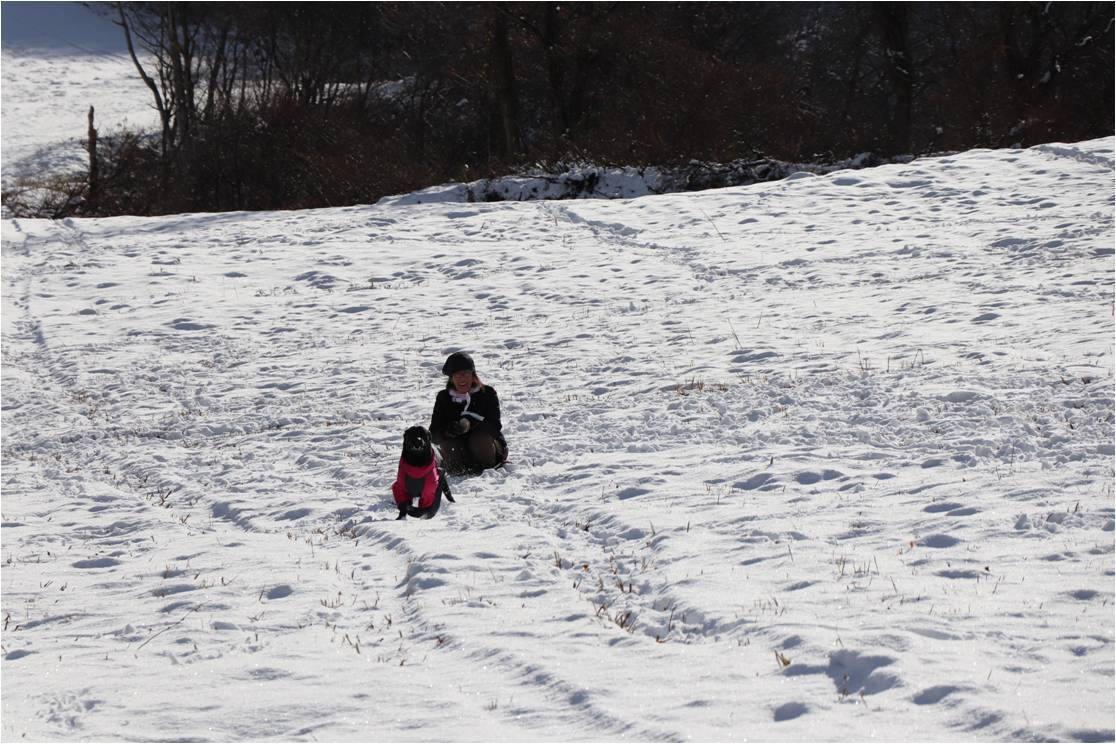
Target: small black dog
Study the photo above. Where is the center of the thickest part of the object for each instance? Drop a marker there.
(420, 483)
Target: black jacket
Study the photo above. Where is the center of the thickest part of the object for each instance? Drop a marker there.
(484, 403)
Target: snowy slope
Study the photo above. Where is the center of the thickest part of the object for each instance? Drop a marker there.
(825, 459)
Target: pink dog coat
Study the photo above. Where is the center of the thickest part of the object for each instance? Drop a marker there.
(415, 486)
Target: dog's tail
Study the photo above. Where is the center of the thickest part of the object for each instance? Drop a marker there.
(444, 482)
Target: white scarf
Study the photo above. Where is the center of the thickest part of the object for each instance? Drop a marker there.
(465, 398)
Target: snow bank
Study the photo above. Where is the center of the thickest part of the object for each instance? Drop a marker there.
(587, 181)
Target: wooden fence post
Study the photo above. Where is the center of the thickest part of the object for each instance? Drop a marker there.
(93, 194)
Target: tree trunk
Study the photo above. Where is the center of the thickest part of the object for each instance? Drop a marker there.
(162, 105)
(555, 72)
(506, 92)
(894, 24)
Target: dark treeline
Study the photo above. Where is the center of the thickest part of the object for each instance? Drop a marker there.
(287, 105)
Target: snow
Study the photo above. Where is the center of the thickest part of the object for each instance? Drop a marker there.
(574, 182)
(57, 60)
(823, 459)
(861, 424)
(590, 181)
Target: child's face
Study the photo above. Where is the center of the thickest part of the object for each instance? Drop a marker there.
(462, 380)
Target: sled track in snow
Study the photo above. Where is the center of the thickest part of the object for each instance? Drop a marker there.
(1080, 156)
(567, 707)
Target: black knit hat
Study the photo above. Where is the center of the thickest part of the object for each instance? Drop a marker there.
(458, 361)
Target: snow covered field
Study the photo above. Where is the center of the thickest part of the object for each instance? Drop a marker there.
(825, 459)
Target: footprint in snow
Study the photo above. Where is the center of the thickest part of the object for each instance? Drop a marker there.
(96, 563)
(939, 541)
(934, 695)
(809, 477)
(1083, 595)
(852, 673)
(953, 573)
(951, 509)
(755, 482)
(790, 711)
(294, 514)
(186, 324)
(279, 592)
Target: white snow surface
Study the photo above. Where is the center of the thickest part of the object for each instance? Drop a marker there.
(823, 459)
(57, 60)
(607, 183)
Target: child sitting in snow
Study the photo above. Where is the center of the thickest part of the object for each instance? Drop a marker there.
(466, 420)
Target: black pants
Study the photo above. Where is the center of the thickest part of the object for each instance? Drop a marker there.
(473, 452)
